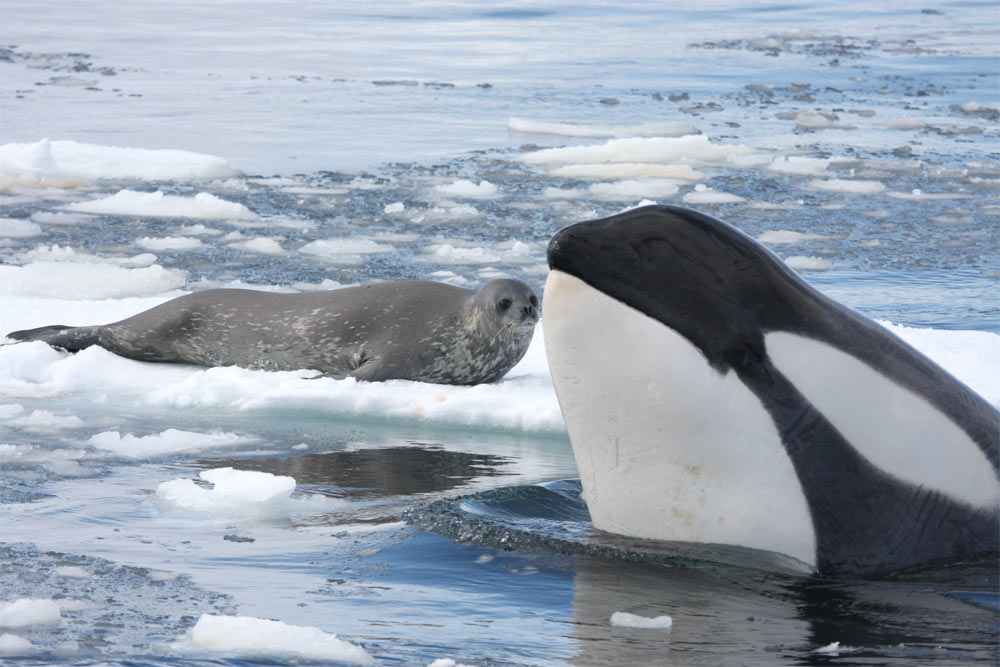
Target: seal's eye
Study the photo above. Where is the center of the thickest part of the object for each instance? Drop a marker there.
(503, 304)
(533, 301)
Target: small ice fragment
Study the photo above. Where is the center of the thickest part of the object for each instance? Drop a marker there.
(485, 558)
(72, 572)
(803, 263)
(246, 635)
(621, 619)
(24, 612)
(12, 645)
(396, 207)
(468, 190)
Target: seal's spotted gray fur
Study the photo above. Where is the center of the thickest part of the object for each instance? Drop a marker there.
(413, 330)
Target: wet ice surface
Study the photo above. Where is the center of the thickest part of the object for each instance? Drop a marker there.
(858, 144)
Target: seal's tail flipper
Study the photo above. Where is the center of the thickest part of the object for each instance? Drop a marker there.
(68, 338)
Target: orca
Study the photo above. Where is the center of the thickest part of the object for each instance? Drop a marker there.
(712, 395)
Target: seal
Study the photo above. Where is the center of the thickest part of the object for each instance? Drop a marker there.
(744, 407)
(407, 330)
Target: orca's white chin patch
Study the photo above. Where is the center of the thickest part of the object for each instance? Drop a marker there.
(667, 448)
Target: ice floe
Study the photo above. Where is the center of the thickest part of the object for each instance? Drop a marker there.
(658, 150)
(159, 205)
(68, 163)
(250, 636)
(27, 612)
(168, 442)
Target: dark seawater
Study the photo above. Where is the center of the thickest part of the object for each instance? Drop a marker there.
(422, 540)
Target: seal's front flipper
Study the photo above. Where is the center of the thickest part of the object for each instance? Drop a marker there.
(65, 337)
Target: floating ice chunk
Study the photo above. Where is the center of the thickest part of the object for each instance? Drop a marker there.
(263, 245)
(834, 649)
(169, 441)
(640, 204)
(446, 662)
(808, 120)
(234, 493)
(159, 205)
(453, 212)
(25, 612)
(846, 186)
(917, 195)
(631, 189)
(788, 236)
(198, 230)
(43, 420)
(345, 250)
(515, 252)
(751, 161)
(57, 253)
(562, 193)
(12, 645)
(904, 123)
(15, 228)
(394, 208)
(803, 263)
(76, 280)
(72, 572)
(246, 635)
(91, 161)
(169, 243)
(58, 218)
(628, 170)
(621, 619)
(804, 166)
(706, 195)
(599, 130)
(465, 189)
(659, 150)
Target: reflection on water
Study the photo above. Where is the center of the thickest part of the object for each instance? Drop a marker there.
(371, 473)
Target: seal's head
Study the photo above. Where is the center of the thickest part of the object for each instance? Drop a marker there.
(508, 306)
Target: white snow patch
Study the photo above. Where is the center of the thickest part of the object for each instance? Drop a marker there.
(25, 612)
(246, 635)
(82, 280)
(804, 263)
(621, 619)
(157, 204)
(169, 441)
(394, 208)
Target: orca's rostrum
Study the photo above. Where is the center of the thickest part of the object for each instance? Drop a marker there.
(712, 395)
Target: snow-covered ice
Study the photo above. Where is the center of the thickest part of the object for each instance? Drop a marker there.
(26, 612)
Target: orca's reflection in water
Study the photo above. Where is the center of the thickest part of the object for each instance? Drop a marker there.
(729, 605)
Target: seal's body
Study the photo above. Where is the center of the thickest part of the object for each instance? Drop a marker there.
(412, 330)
